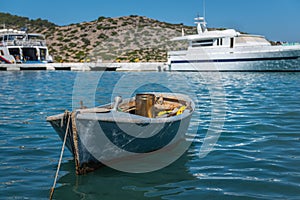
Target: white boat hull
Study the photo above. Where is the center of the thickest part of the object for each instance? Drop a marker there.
(273, 58)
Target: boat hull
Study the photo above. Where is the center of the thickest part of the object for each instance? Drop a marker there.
(97, 139)
(239, 59)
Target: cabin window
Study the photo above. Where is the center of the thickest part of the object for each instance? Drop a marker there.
(35, 37)
(220, 42)
(14, 51)
(43, 54)
(231, 42)
(202, 43)
(8, 38)
(30, 54)
(1, 53)
(20, 37)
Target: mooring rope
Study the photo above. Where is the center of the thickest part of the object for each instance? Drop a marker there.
(61, 155)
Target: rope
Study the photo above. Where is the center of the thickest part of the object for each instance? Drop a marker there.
(60, 159)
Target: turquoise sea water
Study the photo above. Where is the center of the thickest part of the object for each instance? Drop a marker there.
(255, 157)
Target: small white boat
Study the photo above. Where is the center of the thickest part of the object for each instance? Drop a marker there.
(142, 124)
(230, 50)
(22, 47)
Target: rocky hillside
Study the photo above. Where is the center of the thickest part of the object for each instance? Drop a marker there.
(125, 39)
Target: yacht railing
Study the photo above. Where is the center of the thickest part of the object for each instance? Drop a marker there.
(24, 43)
(290, 44)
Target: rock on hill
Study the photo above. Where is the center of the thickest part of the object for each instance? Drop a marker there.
(126, 39)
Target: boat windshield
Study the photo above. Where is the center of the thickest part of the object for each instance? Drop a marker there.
(36, 37)
(202, 43)
(12, 37)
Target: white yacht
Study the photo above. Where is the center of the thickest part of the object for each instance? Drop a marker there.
(22, 47)
(230, 50)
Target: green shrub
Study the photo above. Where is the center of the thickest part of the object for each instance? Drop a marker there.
(80, 55)
(67, 40)
(86, 41)
(72, 45)
(83, 35)
(102, 36)
(101, 18)
(74, 31)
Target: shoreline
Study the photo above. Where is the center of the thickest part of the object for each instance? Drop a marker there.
(91, 66)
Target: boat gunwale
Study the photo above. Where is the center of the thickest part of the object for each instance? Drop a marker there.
(130, 118)
(109, 115)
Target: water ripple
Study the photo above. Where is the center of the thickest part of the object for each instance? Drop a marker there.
(256, 156)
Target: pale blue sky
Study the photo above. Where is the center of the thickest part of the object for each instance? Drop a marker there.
(276, 19)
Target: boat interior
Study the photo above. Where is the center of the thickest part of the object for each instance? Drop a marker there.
(146, 105)
(28, 54)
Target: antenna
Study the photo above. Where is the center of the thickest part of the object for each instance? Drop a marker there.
(200, 21)
(182, 31)
(204, 9)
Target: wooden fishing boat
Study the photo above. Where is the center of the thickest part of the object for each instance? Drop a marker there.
(145, 123)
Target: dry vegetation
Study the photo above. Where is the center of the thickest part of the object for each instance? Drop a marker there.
(125, 39)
